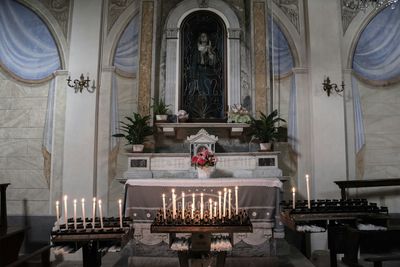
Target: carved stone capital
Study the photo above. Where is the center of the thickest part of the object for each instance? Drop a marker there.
(172, 33)
(348, 14)
(234, 33)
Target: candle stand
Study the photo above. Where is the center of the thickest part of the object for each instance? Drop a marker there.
(201, 231)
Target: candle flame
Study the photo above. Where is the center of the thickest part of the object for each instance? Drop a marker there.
(94, 199)
(293, 189)
(201, 194)
(99, 201)
(225, 189)
(119, 201)
(307, 176)
(163, 195)
(230, 191)
(173, 191)
(83, 200)
(75, 201)
(57, 203)
(65, 197)
(219, 192)
(236, 188)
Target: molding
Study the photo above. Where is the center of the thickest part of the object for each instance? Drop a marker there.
(291, 9)
(348, 15)
(115, 9)
(60, 9)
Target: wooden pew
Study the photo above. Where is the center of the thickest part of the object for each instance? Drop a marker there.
(343, 185)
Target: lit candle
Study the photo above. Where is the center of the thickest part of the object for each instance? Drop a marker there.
(101, 214)
(294, 197)
(210, 207)
(173, 204)
(201, 206)
(224, 206)
(308, 191)
(120, 213)
(219, 204)
(75, 214)
(66, 211)
(94, 213)
(194, 201)
(215, 209)
(183, 205)
(229, 202)
(237, 199)
(83, 213)
(58, 213)
(164, 210)
(192, 210)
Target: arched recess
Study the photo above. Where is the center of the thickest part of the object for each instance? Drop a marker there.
(172, 34)
(56, 34)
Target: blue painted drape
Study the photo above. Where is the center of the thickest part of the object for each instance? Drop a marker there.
(377, 54)
(358, 117)
(126, 54)
(27, 48)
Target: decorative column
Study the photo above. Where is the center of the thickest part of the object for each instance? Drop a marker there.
(234, 69)
(145, 73)
(171, 71)
(260, 54)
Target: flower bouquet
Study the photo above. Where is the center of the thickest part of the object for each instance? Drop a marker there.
(205, 162)
(239, 114)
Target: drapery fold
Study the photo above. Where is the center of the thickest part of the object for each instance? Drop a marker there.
(292, 123)
(27, 48)
(126, 54)
(358, 117)
(377, 54)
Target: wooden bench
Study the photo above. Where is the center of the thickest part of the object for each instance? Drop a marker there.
(378, 260)
(343, 185)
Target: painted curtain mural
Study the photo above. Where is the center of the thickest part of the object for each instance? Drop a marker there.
(27, 48)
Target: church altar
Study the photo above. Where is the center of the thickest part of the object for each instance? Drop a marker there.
(259, 196)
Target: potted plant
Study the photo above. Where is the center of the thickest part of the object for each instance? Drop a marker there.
(160, 110)
(135, 131)
(238, 114)
(265, 130)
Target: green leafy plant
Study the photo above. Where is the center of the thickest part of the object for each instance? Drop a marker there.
(159, 107)
(136, 129)
(264, 129)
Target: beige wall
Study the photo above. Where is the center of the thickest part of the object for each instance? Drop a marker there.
(22, 116)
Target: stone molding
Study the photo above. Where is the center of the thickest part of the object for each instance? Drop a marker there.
(291, 9)
(115, 9)
(60, 9)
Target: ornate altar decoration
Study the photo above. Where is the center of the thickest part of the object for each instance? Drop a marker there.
(202, 140)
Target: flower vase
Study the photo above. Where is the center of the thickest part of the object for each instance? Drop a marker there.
(205, 172)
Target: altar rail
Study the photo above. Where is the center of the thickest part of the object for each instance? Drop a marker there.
(177, 165)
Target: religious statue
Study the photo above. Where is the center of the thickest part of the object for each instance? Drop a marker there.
(206, 51)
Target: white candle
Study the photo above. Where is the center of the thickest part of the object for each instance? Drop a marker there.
(192, 210)
(58, 213)
(75, 214)
(194, 200)
(173, 204)
(210, 207)
(101, 214)
(294, 197)
(94, 213)
(66, 211)
(164, 210)
(308, 191)
(219, 204)
(215, 209)
(229, 202)
(120, 213)
(237, 199)
(224, 206)
(201, 206)
(83, 213)
(183, 205)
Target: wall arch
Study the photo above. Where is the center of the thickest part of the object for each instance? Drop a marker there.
(172, 35)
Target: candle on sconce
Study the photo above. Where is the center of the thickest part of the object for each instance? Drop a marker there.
(224, 206)
(183, 205)
(66, 211)
(120, 213)
(94, 213)
(229, 202)
(201, 206)
(58, 213)
(210, 207)
(308, 191)
(237, 200)
(294, 197)
(83, 213)
(163, 204)
(219, 204)
(215, 209)
(173, 204)
(101, 214)
(75, 214)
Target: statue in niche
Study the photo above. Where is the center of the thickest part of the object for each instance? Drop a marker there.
(203, 78)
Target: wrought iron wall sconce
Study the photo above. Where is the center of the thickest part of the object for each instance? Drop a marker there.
(332, 87)
(81, 84)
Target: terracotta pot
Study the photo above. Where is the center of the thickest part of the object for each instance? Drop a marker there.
(137, 148)
(265, 146)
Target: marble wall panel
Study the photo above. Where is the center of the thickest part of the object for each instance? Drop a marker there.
(30, 194)
(37, 118)
(5, 103)
(25, 163)
(383, 140)
(14, 118)
(382, 124)
(382, 156)
(27, 133)
(29, 103)
(13, 147)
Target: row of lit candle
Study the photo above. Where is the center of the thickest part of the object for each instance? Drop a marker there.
(224, 210)
(99, 202)
(308, 193)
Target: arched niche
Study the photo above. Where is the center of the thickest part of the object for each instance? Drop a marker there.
(173, 43)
